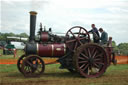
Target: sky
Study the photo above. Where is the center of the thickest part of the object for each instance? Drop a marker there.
(61, 15)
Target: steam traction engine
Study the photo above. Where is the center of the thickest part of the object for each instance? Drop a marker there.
(74, 52)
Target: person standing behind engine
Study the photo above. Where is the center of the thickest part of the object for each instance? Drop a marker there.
(104, 37)
(109, 44)
(95, 33)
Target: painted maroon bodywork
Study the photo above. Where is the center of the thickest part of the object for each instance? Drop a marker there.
(51, 50)
(44, 36)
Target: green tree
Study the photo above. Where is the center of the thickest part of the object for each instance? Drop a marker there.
(23, 35)
(3, 36)
(115, 46)
(123, 48)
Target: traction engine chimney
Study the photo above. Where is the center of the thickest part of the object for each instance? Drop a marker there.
(32, 25)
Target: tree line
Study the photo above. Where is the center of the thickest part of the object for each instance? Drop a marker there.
(120, 49)
(3, 36)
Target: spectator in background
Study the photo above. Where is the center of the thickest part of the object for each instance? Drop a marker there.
(104, 36)
(109, 44)
(95, 33)
(112, 58)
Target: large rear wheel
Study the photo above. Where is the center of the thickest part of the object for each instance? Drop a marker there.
(90, 60)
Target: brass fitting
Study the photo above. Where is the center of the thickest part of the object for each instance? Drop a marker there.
(33, 12)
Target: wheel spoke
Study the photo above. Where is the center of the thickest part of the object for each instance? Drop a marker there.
(29, 69)
(89, 52)
(82, 66)
(75, 45)
(79, 32)
(84, 55)
(99, 55)
(82, 61)
(25, 67)
(86, 52)
(69, 41)
(100, 63)
(72, 34)
(29, 63)
(36, 62)
(85, 67)
(80, 42)
(82, 38)
(97, 59)
(31, 59)
(88, 71)
(94, 52)
(96, 65)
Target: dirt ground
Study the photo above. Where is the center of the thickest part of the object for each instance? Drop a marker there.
(14, 61)
(120, 60)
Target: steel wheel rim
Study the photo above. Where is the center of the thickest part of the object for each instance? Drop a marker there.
(33, 66)
(19, 62)
(91, 65)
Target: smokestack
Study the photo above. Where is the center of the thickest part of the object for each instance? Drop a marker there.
(32, 25)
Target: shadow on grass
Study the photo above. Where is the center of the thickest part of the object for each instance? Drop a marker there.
(46, 75)
(15, 75)
(62, 75)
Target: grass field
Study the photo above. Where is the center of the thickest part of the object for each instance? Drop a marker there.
(9, 75)
(19, 53)
(115, 75)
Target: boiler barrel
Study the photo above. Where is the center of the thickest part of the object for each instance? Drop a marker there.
(48, 50)
(51, 50)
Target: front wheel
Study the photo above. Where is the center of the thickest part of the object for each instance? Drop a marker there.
(20, 61)
(33, 66)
